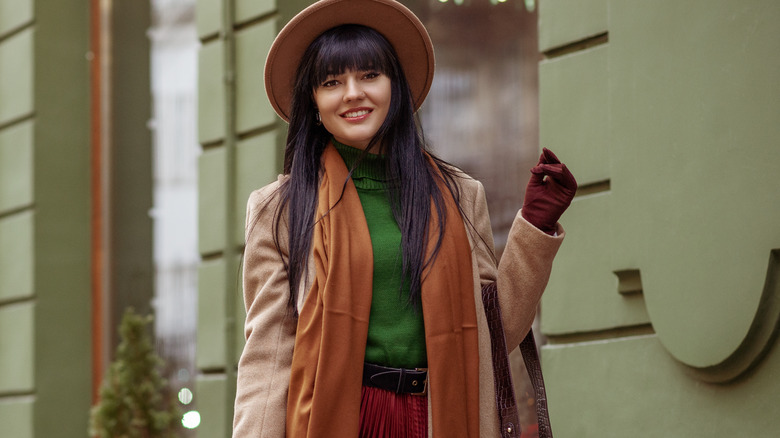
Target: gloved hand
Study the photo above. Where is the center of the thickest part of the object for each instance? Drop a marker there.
(547, 198)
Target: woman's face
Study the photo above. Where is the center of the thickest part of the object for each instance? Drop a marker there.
(353, 105)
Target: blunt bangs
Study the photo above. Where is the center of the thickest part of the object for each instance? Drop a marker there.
(351, 47)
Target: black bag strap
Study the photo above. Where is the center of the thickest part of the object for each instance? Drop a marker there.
(534, 368)
(506, 404)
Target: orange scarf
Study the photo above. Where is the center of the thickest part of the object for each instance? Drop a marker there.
(327, 364)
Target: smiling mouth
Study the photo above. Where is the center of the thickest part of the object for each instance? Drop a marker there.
(355, 114)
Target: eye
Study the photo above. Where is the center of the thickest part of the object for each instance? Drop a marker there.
(372, 75)
(329, 83)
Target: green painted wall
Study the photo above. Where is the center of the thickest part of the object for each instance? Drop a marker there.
(131, 161)
(44, 219)
(663, 306)
(45, 204)
(241, 138)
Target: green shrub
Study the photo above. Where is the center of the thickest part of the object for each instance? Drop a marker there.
(132, 398)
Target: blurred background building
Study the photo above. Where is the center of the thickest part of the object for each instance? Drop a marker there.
(132, 132)
(174, 55)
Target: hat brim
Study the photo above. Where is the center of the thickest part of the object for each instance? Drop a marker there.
(394, 21)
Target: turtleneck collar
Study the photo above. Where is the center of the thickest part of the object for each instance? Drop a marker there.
(370, 171)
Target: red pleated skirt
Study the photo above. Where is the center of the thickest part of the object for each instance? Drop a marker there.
(385, 414)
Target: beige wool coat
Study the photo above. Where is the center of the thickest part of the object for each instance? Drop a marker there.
(264, 367)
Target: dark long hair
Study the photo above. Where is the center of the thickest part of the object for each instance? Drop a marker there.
(412, 177)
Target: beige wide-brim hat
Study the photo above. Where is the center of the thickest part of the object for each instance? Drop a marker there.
(394, 21)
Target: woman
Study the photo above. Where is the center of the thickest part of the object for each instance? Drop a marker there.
(364, 262)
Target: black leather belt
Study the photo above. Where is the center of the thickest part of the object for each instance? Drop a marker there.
(412, 381)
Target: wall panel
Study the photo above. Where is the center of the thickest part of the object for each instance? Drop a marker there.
(17, 256)
(252, 46)
(211, 393)
(563, 22)
(211, 193)
(258, 161)
(16, 416)
(211, 93)
(17, 336)
(208, 18)
(211, 315)
(631, 387)
(16, 166)
(573, 92)
(14, 14)
(251, 9)
(16, 76)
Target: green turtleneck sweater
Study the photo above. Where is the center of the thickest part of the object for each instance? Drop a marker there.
(396, 334)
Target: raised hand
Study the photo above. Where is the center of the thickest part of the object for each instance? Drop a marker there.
(549, 192)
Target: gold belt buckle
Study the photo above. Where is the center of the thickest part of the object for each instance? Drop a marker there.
(424, 384)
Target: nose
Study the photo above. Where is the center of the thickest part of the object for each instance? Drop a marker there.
(353, 90)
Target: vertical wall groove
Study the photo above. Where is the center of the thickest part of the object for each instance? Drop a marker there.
(230, 251)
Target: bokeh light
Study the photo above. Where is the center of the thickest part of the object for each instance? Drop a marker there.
(191, 420)
(185, 396)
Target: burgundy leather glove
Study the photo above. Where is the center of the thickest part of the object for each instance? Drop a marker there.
(547, 198)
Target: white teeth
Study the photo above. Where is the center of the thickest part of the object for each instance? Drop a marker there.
(356, 114)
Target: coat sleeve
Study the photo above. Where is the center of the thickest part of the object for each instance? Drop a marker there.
(264, 366)
(523, 273)
(483, 237)
(525, 264)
